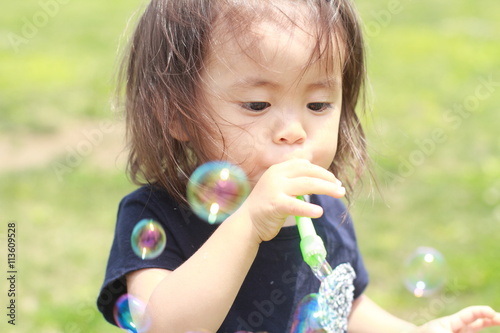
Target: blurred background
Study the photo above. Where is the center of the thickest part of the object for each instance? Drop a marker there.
(432, 130)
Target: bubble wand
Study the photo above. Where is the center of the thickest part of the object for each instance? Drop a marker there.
(312, 247)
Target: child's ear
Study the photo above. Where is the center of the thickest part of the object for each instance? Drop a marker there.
(177, 130)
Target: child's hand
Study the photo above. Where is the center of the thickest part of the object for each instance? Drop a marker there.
(274, 196)
(469, 320)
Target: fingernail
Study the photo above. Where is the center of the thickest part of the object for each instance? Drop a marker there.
(342, 190)
(339, 183)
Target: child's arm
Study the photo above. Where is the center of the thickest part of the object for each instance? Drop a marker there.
(368, 317)
(199, 294)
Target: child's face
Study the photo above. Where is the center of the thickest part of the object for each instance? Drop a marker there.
(268, 103)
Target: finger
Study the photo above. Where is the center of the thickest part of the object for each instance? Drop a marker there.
(470, 315)
(302, 167)
(309, 185)
(479, 324)
(495, 321)
(297, 207)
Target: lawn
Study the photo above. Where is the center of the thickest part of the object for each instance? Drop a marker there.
(432, 133)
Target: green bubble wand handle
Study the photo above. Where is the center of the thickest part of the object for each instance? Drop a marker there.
(312, 247)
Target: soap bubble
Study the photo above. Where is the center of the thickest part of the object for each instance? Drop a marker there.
(216, 189)
(130, 314)
(308, 316)
(148, 239)
(425, 272)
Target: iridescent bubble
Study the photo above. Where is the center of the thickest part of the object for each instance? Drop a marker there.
(148, 239)
(216, 189)
(425, 272)
(307, 317)
(130, 314)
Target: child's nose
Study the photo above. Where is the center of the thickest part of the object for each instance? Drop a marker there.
(289, 130)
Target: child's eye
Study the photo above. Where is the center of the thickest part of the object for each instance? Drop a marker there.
(318, 107)
(256, 106)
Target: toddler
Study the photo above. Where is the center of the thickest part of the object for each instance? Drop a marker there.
(271, 86)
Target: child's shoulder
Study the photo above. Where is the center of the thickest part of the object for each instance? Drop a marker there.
(148, 200)
(148, 193)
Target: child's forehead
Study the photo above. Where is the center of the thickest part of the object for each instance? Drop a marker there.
(269, 30)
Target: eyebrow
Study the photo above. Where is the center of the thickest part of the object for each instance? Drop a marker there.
(328, 83)
(255, 82)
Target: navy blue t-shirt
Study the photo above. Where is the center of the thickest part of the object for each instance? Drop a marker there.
(276, 282)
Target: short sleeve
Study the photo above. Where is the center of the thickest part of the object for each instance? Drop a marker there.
(147, 203)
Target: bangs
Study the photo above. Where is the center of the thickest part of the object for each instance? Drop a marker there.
(237, 21)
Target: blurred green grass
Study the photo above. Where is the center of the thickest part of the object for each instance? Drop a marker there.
(426, 63)
(424, 59)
